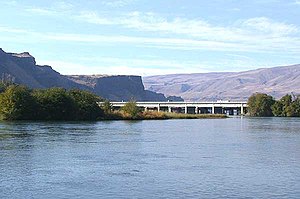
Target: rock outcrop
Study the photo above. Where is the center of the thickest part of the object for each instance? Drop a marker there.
(118, 87)
(22, 69)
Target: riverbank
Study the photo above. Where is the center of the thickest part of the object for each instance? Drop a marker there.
(57, 104)
(154, 115)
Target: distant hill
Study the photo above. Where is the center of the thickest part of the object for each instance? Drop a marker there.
(21, 68)
(276, 81)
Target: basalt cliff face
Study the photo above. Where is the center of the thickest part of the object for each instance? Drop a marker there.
(118, 88)
(276, 81)
(21, 68)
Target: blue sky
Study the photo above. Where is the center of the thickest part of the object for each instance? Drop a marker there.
(143, 37)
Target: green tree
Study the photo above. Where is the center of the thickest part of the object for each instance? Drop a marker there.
(277, 109)
(107, 107)
(260, 104)
(55, 104)
(2, 87)
(281, 106)
(293, 110)
(87, 107)
(17, 103)
(132, 109)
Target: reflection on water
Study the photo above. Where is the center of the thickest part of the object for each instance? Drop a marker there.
(231, 158)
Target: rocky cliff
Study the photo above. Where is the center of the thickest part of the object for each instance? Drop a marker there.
(118, 88)
(21, 68)
(276, 81)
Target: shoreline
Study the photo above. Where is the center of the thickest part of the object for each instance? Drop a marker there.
(161, 116)
(119, 117)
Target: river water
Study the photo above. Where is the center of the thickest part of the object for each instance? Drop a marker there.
(214, 158)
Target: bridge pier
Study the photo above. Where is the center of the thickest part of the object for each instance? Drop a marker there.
(213, 110)
(242, 109)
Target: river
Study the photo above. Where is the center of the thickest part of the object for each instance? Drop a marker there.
(206, 158)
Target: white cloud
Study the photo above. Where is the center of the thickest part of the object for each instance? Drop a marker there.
(156, 42)
(254, 35)
(116, 67)
(248, 30)
(250, 35)
(149, 63)
(10, 2)
(41, 11)
(267, 45)
(252, 43)
(297, 2)
(92, 17)
(62, 5)
(12, 30)
(55, 9)
(265, 25)
(117, 3)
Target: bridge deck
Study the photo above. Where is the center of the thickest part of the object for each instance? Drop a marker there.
(223, 107)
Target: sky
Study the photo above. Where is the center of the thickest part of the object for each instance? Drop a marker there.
(152, 37)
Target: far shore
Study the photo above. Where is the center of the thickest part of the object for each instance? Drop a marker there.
(154, 115)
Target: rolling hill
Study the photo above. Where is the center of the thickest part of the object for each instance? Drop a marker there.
(276, 81)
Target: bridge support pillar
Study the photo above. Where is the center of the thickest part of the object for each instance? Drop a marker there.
(242, 109)
(213, 110)
(146, 109)
(196, 110)
(186, 110)
(158, 108)
(170, 109)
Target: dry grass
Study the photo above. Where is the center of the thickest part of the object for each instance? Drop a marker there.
(194, 116)
(154, 115)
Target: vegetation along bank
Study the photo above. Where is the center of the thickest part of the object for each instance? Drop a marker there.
(263, 105)
(18, 102)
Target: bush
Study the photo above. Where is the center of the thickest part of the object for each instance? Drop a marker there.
(131, 109)
(86, 105)
(260, 104)
(2, 87)
(17, 103)
(293, 110)
(55, 104)
(148, 115)
(107, 107)
(281, 106)
(20, 103)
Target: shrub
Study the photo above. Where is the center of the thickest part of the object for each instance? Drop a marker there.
(17, 103)
(107, 107)
(86, 105)
(260, 104)
(132, 109)
(55, 104)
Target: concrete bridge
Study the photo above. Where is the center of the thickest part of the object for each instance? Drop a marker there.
(218, 107)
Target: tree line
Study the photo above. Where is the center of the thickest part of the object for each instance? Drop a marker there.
(18, 102)
(263, 105)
